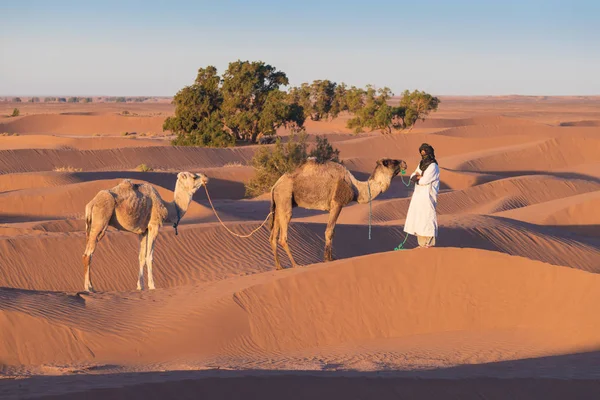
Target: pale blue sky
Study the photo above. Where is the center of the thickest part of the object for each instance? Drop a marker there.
(463, 47)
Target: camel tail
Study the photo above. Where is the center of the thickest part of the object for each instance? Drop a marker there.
(273, 205)
(88, 220)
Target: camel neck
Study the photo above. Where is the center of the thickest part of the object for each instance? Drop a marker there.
(364, 187)
(179, 206)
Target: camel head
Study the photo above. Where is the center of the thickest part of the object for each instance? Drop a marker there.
(191, 182)
(385, 170)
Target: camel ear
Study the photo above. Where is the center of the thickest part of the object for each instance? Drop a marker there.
(183, 175)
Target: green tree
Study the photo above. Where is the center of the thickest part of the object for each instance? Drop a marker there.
(34, 100)
(417, 105)
(121, 100)
(250, 88)
(198, 118)
(339, 102)
(49, 99)
(371, 110)
(244, 104)
(17, 100)
(87, 100)
(317, 99)
(73, 100)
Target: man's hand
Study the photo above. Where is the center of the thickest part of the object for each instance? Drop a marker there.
(415, 178)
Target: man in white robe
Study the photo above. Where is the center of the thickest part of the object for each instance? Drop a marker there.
(421, 219)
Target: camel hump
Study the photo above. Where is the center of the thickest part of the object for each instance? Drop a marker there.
(127, 184)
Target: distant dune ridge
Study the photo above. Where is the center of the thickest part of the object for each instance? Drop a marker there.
(506, 304)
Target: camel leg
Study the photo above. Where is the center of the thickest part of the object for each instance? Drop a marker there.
(334, 213)
(273, 239)
(152, 234)
(87, 260)
(93, 237)
(285, 217)
(142, 259)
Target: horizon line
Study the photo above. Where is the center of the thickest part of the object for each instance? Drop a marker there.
(171, 96)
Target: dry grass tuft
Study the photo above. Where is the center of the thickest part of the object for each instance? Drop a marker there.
(67, 169)
(144, 168)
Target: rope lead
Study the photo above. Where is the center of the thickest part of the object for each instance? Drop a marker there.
(228, 230)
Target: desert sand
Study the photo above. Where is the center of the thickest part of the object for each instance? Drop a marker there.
(506, 306)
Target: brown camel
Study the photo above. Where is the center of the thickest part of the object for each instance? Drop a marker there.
(327, 187)
(136, 208)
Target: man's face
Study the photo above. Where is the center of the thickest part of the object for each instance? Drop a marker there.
(423, 154)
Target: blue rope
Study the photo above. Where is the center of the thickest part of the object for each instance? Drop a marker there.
(369, 187)
(401, 245)
(403, 172)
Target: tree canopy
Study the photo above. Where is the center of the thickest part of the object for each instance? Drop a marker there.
(245, 103)
(417, 105)
(318, 99)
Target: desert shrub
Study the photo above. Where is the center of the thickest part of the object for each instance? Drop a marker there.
(270, 163)
(125, 112)
(324, 151)
(233, 164)
(144, 168)
(67, 169)
(16, 112)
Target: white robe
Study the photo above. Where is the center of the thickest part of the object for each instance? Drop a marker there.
(421, 219)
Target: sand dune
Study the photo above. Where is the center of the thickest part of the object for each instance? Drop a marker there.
(372, 305)
(225, 182)
(167, 158)
(84, 125)
(547, 156)
(509, 293)
(578, 211)
(64, 143)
